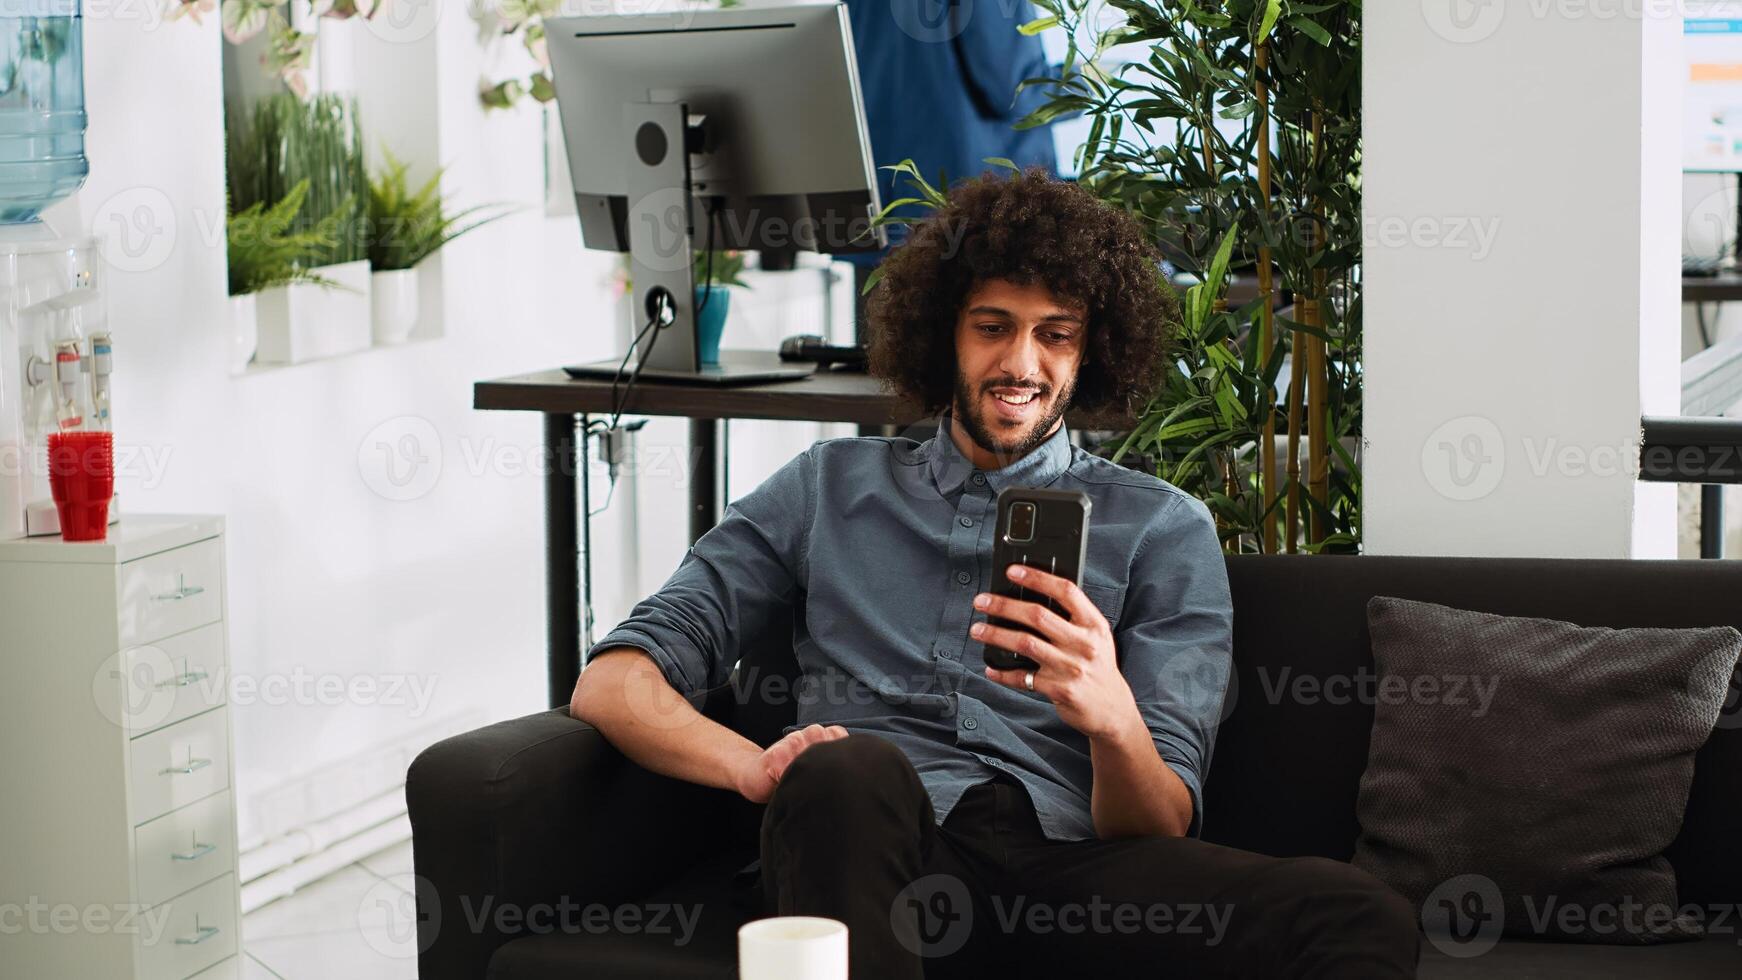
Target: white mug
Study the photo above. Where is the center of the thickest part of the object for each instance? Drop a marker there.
(794, 947)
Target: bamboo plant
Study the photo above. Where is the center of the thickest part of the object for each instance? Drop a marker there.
(1237, 143)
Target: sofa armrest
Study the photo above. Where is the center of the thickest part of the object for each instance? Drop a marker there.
(522, 819)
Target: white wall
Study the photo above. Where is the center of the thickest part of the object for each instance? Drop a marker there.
(1521, 180)
(335, 570)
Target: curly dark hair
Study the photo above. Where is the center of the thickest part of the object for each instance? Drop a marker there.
(1027, 228)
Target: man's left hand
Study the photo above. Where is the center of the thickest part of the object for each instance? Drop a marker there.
(1079, 665)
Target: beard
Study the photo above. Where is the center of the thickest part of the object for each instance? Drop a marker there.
(970, 412)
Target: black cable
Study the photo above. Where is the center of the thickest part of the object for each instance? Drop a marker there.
(1700, 318)
(708, 275)
(618, 402)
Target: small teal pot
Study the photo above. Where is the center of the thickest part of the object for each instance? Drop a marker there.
(711, 321)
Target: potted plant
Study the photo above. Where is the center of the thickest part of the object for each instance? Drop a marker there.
(406, 227)
(286, 142)
(264, 253)
(1232, 129)
(715, 273)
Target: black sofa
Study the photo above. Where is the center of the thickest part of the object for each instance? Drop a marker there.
(515, 823)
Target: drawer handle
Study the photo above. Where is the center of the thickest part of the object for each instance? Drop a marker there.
(194, 765)
(200, 850)
(201, 934)
(182, 590)
(184, 679)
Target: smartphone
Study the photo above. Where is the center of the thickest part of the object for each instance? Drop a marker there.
(1046, 529)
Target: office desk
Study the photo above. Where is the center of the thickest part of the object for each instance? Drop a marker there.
(1726, 288)
(825, 396)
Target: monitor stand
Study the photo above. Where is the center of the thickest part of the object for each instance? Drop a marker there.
(736, 367)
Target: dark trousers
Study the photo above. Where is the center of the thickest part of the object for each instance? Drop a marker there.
(850, 835)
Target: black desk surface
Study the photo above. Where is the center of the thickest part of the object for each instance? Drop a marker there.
(825, 396)
(1712, 289)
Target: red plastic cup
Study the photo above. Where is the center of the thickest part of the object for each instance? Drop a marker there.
(81, 476)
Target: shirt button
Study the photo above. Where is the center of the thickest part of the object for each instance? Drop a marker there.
(970, 724)
(963, 577)
(979, 479)
(967, 522)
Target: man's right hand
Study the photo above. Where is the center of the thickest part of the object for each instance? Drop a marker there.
(756, 779)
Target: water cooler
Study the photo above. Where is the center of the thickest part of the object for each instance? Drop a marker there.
(56, 365)
(56, 358)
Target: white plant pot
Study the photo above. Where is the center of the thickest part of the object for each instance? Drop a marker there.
(244, 331)
(305, 321)
(394, 296)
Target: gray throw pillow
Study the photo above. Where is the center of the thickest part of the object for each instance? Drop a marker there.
(1535, 765)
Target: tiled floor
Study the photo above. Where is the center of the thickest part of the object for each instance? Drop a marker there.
(357, 924)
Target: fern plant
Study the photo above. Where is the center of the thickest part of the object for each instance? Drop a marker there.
(265, 250)
(407, 226)
(285, 141)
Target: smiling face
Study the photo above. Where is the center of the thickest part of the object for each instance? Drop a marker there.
(1018, 348)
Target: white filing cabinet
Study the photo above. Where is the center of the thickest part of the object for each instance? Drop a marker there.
(117, 820)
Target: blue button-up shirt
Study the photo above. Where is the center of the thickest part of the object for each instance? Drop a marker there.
(883, 544)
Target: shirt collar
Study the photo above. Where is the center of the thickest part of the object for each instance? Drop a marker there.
(1041, 466)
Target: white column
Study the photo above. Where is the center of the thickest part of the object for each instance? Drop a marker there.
(1522, 207)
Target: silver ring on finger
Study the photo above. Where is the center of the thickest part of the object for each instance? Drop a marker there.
(1028, 680)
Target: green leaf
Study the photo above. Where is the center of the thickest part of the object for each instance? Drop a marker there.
(1272, 10)
(1311, 29)
(1038, 25)
(542, 87)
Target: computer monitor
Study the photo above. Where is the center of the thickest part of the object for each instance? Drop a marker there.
(741, 128)
(1712, 102)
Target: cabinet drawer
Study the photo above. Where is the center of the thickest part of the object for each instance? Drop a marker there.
(198, 931)
(184, 848)
(171, 592)
(229, 969)
(175, 766)
(174, 678)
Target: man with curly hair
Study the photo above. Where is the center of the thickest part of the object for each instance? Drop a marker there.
(964, 820)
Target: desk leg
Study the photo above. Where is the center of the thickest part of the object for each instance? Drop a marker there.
(1712, 521)
(561, 559)
(704, 453)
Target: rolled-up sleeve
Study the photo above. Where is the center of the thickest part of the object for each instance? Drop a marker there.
(731, 583)
(1176, 640)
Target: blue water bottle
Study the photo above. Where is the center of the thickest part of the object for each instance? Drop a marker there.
(42, 106)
